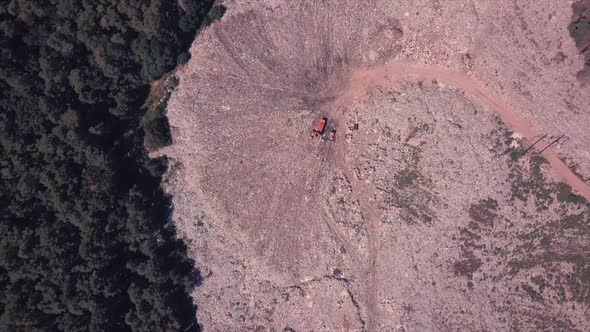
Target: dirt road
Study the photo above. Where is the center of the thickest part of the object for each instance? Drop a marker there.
(391, 75)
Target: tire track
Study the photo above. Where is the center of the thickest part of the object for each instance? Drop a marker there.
(363, 193)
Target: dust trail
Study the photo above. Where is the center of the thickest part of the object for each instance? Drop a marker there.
(390, 75)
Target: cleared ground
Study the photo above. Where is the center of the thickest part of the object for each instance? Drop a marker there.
(423, 214)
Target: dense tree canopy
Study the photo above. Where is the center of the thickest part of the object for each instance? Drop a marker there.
(85, 237)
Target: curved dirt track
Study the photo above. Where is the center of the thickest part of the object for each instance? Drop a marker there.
(421, 215)
(391, 75)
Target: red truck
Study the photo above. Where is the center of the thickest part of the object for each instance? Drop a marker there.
(321, 126)
(319, 130)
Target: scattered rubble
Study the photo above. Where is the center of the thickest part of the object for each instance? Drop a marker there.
(422, 213)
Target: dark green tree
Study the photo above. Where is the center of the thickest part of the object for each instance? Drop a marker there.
(85, 236)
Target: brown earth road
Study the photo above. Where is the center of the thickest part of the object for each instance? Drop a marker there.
(390, 76)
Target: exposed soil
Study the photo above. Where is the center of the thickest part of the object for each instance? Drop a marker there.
(424, 213)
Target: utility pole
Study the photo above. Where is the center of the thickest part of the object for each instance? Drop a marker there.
(555, 141)
(530, 147)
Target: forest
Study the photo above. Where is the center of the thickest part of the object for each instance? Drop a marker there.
(86, 240)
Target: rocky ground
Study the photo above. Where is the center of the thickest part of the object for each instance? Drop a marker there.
(423, 214)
